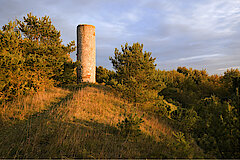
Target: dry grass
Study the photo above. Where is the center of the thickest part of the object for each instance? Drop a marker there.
(101, 106)
(92, 104)
(153, 127)
(23, 107)
(80, 124)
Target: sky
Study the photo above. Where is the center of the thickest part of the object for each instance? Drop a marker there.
(201, 34)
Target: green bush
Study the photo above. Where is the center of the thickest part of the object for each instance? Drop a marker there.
(104, 75)
(130, 126)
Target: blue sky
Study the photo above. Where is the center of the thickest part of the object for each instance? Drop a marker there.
(202, 34)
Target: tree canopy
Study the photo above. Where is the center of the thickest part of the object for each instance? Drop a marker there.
(32, 56)
(136, 72)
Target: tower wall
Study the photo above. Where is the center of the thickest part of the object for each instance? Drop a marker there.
(86, 53)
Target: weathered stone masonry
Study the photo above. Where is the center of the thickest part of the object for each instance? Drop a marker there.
(86, 53)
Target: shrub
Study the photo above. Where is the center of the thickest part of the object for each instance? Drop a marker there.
(130, 126)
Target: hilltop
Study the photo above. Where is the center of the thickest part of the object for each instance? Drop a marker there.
(82, 122)
(139, 112)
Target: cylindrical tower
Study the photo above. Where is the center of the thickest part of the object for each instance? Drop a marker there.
(86, 53)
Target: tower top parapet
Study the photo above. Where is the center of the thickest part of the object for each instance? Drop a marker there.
(86, 25)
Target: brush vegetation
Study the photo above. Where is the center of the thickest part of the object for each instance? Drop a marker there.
(135, 111)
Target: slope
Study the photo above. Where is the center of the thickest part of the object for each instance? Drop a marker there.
(82, 122)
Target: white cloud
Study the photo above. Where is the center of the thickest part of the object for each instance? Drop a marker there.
(211, 18)
(227, 68)
(201, 57)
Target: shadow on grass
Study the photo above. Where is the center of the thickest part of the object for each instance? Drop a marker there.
(48, 135)
(43, 138)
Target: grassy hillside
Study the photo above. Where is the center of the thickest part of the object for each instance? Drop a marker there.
(82, 122)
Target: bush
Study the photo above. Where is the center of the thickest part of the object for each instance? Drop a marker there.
(130, 126)
(104, 75)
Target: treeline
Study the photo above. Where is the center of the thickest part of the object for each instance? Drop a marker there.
(33, 57)
(206, 106)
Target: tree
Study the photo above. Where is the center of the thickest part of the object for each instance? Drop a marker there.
(44, 46)
(218, 129)
(13, 79)
(231, 80)
(136, 74)
(32, 56)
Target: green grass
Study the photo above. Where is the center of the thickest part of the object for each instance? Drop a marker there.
(81, 122)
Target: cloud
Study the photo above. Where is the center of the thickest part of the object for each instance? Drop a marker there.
(197, 34)
(228, 68)
(199, 57)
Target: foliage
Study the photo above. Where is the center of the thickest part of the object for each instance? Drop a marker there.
(231, 81)
(32, 57)
(208, 108)
(45, 44)
(218, 125)
(136, 75)
(186, 119)
(207, 105)
(130, 126)
(69, 75)
(104, 75)
(183, 146)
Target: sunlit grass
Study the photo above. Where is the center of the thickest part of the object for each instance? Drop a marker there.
(23, 107)
(79, 123)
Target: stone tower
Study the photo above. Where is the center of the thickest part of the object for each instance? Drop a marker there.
(86, 53)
